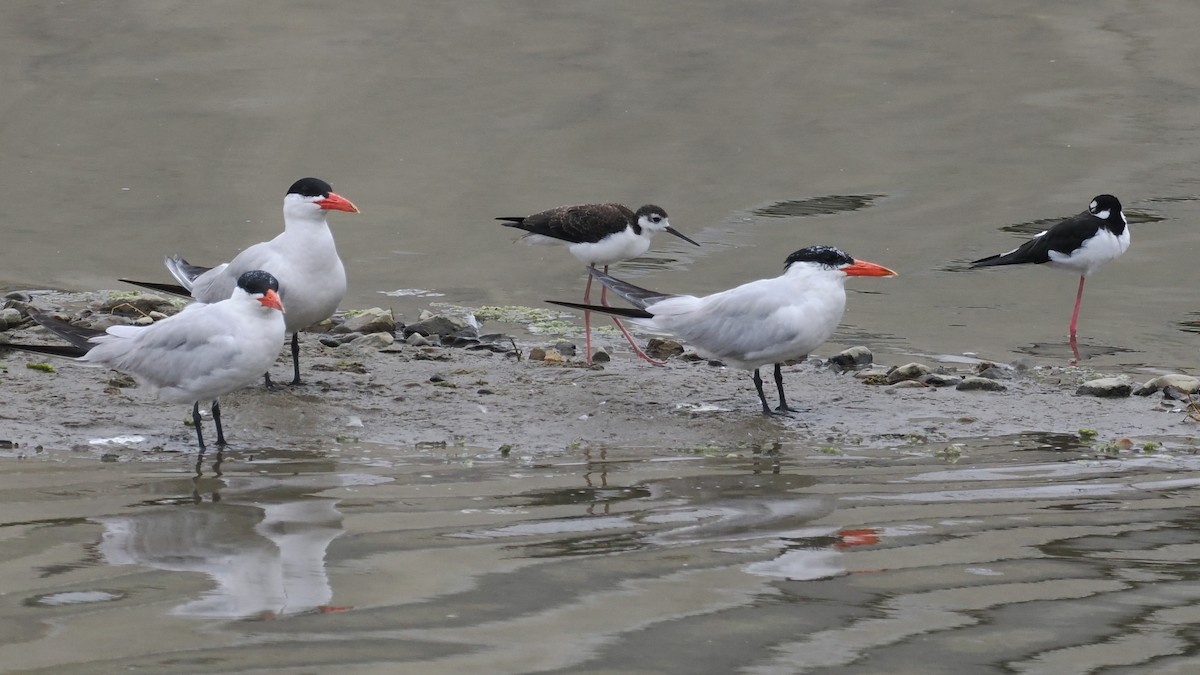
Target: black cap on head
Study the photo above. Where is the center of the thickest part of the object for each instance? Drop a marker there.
(1105, 203)
(650, 210)
(257, 281)
(827, 256)
(310, 187)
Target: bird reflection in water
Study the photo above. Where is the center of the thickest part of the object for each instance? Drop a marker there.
(266, 559)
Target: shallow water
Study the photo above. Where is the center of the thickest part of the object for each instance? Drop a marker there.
(916, 138)
(1017, 554)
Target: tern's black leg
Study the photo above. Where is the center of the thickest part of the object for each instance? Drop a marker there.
(196, 423)
(296, 359)
(761, 396)
(783, 406)
(216, 413)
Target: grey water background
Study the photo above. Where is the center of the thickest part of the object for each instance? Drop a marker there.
(916, 135)
(923, 133)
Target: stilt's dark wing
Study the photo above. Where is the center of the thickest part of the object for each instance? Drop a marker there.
(582, 223)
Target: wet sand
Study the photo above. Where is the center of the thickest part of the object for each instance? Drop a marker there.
(405, 396)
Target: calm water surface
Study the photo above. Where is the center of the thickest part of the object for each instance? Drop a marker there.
(1021, 554)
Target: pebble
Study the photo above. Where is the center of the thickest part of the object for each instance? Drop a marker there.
(939, 380)
(373, 341)
(440, 324)
(417, 340)
(909, 371)
(373, 320)
(663, 349)
(139, 304)
(537, 354)
(854, 357)
(908, 384)
(1185, 383)
(601, 356)
(975, 383)
(10, 318)
(1106, 387)
(995, 373)
(565, 348)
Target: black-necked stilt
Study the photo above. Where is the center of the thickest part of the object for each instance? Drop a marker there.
(598, 234)
(758, 323)
(1081, 244)
(199, 354)
(303, 258)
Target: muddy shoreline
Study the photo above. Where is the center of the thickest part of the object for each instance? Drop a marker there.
(404, 396)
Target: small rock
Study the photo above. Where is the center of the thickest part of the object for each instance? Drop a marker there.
(908, 384)
(537, 354)
(135, 304)
(975, 383)
(354, 421)
(121, 381)
(909, 371)
(939, 380)
(373, 320)
(19, 296)
(373, 341)
(437, 377)
(417, 340)
(441, 324)
(10, 318)
(565, 348)
(871, 371)
(601, 356)
(854, 357)
(143, 320)
(995, 373)
(1185, 383)
(1106, 387)
(663, 349)
(552, 356)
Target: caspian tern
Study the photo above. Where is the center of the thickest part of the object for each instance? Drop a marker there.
(760, 322)
(199, 354)
(598, 234)
(303, 258)
(1081, 244)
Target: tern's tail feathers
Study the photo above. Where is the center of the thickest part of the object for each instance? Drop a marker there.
(173, 289)
(627, 312)
(183, 271)
(635, 295)
(79, 337)
(68, 351)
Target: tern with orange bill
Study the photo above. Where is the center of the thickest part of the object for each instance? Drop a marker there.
(762, 322)
(199, 354)
(312, 279)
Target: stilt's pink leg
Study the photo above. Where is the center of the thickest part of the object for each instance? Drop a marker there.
(636, 349)
(1074, 320)
(1075, 314)
(587, 318)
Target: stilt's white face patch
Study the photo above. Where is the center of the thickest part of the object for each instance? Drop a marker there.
(1092, 206)
(1103, 215)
